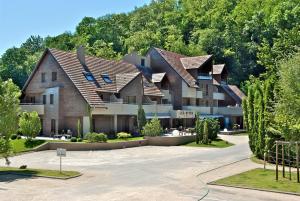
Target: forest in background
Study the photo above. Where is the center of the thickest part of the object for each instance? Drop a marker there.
(249, 36)
(258, 40)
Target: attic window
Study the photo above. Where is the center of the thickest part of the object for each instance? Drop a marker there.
(143, 62)
(89, 76)
(106, 78)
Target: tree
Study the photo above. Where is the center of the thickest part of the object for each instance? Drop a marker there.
(287, 110)
(30, 124)
(245, 113)
(141, 118)
(198, 129)
(250, 106)
(205, 133)
(9, 115)
(78, 128)
(153, 128)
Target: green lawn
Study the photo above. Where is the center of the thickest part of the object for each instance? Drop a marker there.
(262, 179)
(218, 143)
(122, 140)
(20, 145)
(39, 172)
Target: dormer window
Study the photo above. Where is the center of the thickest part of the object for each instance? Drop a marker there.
(106, 78)
(89, 76)
(143, 62)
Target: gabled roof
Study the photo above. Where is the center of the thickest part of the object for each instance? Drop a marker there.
(194, 62)
(237, 91)
(157, 77)
(218, 69)
(234, 92)
(97, 66)
(173, 59)
(150, 89)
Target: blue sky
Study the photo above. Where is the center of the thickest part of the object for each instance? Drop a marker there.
(20, 19)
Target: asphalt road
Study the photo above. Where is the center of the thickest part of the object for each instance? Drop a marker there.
(142, 173)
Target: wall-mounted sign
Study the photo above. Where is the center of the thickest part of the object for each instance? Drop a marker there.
(184, 114)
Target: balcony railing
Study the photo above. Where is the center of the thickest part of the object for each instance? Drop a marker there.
(30, 107)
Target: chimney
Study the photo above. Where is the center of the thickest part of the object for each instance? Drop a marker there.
(80, 55)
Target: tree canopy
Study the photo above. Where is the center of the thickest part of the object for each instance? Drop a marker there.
(250, 36)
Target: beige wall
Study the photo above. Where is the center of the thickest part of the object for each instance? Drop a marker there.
(134, 88)
(68, 102)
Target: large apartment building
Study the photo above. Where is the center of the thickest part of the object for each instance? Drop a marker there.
(104, 95)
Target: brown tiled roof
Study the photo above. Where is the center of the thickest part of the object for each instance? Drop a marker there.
(97, 66)
(217, 69)
(150, 89)
(174, 60)
(157, 77)
(237, 91)
(194, 62)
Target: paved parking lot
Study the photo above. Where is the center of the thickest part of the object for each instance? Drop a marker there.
(142, 173)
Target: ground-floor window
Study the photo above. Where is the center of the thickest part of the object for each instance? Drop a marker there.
(53, 126)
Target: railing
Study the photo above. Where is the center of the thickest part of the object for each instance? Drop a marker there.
(230, 110)
(131, 109)
(30, 107)
(218, 96)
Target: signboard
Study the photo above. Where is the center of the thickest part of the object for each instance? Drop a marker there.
(61, 152)
(184, 114)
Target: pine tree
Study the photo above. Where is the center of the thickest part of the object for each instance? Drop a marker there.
(250, 107)
(205, 133)
(198, 129)
(141, 117)
(245, 113)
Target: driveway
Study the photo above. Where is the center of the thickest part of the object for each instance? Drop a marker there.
(142, 173)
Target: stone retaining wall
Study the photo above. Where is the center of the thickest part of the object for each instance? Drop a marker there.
(170, 141)
(81, 146)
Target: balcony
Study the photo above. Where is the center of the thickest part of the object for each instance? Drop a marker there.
(200, 109)
(204, 76)
(218, 96)
(229, 110)
(112, 108)
(199, 94)
(30, 107)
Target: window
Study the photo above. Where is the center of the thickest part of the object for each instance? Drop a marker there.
(32, 99)
(188, 101)
(142, 62)
(51, 99)
(43, 77)
(206, 103)
(53, 126)
(94, 125)
(106, 78)
(44, 99)
(131, 99)
(206, 90)
(198, 102)
(89, 76)
(54, 76)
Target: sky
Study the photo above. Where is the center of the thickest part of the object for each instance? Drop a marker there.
(19, 19)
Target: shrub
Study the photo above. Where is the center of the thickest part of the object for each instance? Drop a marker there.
(13, 136)
(73, 139)
(153, 128)
(23, 167)
(123, 135)
(235, 126)
(79, 139)
(30, 124)
(96, 137)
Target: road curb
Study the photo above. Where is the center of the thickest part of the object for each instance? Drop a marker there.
(249, 188)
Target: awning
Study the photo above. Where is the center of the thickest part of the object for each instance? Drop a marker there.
(213, 116)
(158, 115)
